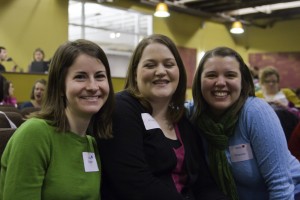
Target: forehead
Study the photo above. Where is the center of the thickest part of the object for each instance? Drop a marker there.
(39, 85)
(86, 63)
(2, 50)
(271, 76)
(156, 50)
(221, 63)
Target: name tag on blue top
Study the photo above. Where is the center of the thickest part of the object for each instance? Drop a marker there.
(240, 152)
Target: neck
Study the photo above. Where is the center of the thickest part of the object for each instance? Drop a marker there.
(78, 125)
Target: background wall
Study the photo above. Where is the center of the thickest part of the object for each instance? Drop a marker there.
(26, 25)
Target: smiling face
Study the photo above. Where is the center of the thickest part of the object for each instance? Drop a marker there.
(157, 74)
(221, 83)
(87, 87)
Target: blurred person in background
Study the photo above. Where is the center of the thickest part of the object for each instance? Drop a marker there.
(36, 95)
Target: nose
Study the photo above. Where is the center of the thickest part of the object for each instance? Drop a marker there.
(92, 85)
(220, 81)
(160, 70)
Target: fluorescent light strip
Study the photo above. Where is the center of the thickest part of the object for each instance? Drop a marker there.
(265, 9)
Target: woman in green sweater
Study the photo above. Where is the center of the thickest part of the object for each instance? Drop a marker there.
(51, 156)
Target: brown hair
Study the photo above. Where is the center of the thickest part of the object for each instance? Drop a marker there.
(247, 83)
(55, 99)
(176, 108)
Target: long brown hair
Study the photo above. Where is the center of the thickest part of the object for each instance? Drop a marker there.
(55, 100)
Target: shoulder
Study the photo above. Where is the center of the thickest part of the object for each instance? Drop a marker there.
(287, 90)
(124, 100)
(259, 94)
(26, 104)
(33, 128)
(255, 103)
(257, 109)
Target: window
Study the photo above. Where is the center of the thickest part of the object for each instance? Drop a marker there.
(117, 31)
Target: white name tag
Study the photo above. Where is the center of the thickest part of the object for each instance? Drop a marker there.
(149, 121)
(89, 161)
(240, 152)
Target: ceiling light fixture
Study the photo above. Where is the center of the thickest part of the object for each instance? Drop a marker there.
(161, 10)
(237, 28)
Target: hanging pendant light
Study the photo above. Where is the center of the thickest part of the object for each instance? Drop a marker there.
(237, 28)
(162, 10)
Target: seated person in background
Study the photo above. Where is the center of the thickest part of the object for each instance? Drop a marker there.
(3, 55)
(4, 58)
(8, 92)
(294, 142)
(2, 79)
(270, 91)
(37, 95)
(38, 65)
(255, 72)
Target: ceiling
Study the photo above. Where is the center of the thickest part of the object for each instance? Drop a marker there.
(266, 12)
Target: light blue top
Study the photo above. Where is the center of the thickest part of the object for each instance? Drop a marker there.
(262, 166)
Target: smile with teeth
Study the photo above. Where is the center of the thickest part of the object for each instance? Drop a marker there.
(220, 93)
(90, 97)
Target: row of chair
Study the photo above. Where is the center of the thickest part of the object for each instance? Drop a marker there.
(15, 115)
(5, 135)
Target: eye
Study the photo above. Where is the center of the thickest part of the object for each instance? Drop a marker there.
(169, 64)
(231, 75)
(149, 65)
(100, 76)
(210, 75)
(79, 77)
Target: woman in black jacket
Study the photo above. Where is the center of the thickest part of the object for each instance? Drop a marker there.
(155, 153)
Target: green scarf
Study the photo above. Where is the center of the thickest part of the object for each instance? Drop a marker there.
(217, 135)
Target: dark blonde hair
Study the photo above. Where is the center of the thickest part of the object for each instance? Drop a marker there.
(55, 100)
(247, 82)
(176, 108)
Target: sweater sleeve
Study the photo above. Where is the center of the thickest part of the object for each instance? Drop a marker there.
(126, 173)
(291, 96)
(270, 149)
(24, 162)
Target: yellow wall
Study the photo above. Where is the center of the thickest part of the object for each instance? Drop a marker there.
(26, 25)
(23, 91)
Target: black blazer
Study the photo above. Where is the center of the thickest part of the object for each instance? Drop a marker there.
(137, 163)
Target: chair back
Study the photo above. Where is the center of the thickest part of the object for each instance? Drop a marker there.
(4, 123)
(16, 118)
(7, 108)
(288, 121)
(5, 135)
(28, 110)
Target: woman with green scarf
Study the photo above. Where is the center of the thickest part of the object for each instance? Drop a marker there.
(245, 144)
